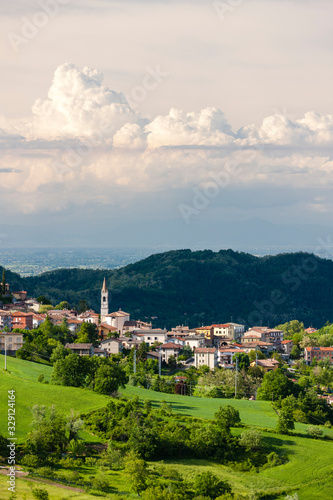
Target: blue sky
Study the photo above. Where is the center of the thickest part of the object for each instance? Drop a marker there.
(159, 112)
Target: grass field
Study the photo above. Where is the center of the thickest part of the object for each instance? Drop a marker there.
(308, 470)
(256, 413)
(22, 377)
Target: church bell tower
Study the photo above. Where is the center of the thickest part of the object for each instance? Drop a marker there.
(104, 300)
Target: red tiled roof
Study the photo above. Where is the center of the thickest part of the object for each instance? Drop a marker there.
(205, 349)
(170, 345)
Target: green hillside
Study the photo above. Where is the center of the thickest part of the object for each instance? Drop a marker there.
(307, 471)
(22, 377)
(194, 288)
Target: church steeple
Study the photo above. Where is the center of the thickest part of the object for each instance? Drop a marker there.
(104, 300)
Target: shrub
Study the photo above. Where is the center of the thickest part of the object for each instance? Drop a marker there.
(100, 483)
(30, 460)
(40, 494)
(40, 378)
(315, 432)
(251, 439)
(68, 463)
(273, 460)
(46, 471)
(90, 461)
(216, 392)
(209, 485)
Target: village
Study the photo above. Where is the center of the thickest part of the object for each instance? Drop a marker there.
(214, 345)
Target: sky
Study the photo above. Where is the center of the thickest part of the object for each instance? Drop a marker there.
(166, 123)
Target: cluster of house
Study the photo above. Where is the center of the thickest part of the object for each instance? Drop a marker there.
(213, 345)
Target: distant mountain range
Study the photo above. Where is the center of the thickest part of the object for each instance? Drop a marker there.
(198, 288)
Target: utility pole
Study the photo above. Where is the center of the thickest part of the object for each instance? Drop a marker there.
(134, 361)
(256, 359)
(160, 364)
(236, 377)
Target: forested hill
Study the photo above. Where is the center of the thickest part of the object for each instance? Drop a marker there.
(195, 288)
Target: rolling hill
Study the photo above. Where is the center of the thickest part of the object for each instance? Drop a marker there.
(195, 288)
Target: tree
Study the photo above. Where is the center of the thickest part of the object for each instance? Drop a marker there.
(251, 439)
(172, 361)
(275, 385)
(49, 431)
(227, 416)
(73, 425)
(88, 334)
(315, 432)
(253, 354)
(187, 352)
(64, 305)
(277, 356)
(295, 352)
(83, 306)
(71, 370)
(43, 300)
(59, 353)
(243, 360)
(209, 485)
(45, 308)
(285, 421)
(40, 493)
(291, 327)
(137, 472)
(109, 377)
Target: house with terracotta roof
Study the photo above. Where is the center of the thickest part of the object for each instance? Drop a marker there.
(268, 365)
(20, 296)
(105, 331)
(225, 355)
(206, 331)
(205, 356)
(272, 335)
(310, 330)
(253, 336)
(155, 355)
(38, 319)
(22, 320)
(232, 331)
(117, 319)
(286, 346)
(89, 317)
(81, 349)
(320, 353)
(170, 349)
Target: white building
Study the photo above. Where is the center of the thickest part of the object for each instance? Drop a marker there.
(116, 319)
(151, 336)
(205, 356)
(104, 301)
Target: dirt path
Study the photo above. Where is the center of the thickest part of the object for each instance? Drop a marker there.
(23, 474)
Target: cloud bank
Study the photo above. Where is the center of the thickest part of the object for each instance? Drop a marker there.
(86, 144)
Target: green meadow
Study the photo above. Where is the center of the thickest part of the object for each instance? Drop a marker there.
(308, 471)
